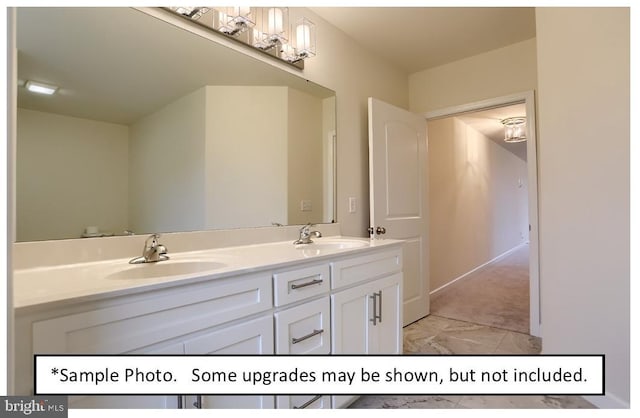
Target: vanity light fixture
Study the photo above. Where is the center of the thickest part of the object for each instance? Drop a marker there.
(515, 129)
(234, 20)
(266, 29)
(41, 88)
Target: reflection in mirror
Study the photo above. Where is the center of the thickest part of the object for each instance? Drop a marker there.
(156, 129)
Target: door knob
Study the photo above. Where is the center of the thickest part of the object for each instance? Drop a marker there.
(381, 230)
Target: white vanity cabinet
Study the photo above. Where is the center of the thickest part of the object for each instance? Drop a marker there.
(208, 317)
(367, 317)
(349, 302)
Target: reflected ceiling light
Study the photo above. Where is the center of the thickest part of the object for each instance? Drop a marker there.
(41, 88)
(266, 29)
(515, 129)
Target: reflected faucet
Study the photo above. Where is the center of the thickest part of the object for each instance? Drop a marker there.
(153, 251)
(306, 233)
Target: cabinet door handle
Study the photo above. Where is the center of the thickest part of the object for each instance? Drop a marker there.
(374, 298)
(308, 403)
(311, 283)
(180, 402)
(306, 337)
(380, 306)
(198, 402)
(377, 307)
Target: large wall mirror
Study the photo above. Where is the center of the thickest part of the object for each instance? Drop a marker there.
(156, 129)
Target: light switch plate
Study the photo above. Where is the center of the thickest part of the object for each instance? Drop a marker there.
(352, 205)
(306, 206)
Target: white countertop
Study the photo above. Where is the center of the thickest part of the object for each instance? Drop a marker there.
(90, 281)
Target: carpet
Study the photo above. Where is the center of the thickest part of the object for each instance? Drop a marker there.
(496, 295)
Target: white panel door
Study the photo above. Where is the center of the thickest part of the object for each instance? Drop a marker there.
(399, 195)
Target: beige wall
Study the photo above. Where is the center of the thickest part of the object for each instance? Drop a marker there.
(304, 121)
(477, 208)
(583, 78)
(246, 156)
(166, 167)
(496, 73)
(354, 74)
(53, 201)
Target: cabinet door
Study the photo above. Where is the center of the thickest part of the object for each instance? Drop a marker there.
(353, 329)
(250, 337)
(349, 320)
(132, 402)
(349, 330)
(385, 337)
(353, 311)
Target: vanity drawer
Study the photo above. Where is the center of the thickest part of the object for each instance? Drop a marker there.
(292, 286)
(304, 402)
(353, 270)
(305, 329)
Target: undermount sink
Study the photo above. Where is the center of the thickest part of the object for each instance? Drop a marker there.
(332, 244)
(164, 269)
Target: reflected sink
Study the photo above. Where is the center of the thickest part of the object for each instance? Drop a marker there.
(164, 269)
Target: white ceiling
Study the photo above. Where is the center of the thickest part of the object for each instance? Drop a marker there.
(417, 38)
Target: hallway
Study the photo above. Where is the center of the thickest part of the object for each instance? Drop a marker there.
(496, 295)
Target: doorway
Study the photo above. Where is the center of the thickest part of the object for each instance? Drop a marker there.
(484, 211)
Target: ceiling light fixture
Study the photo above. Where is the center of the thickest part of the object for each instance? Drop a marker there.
(515, 129)
(40, 88)
(265, 29)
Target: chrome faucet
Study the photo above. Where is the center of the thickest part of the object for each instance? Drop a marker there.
(153, 251)
(305, 235)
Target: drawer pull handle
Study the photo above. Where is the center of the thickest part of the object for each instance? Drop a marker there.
(311, 283)
(308, 403)
(306, 337)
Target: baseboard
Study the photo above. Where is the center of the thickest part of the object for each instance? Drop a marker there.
(608, 401)
(433, 292)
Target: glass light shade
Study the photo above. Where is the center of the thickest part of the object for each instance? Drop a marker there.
(288, 53)
(305, 38)
(274, 24)
(515, 129)
(259, 39)
(234, 20)
(193, 13)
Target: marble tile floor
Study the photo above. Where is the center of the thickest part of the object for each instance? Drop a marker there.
(438, 335)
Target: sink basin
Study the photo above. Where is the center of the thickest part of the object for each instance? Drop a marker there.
(164, 269)
(323, 245)
(338, 244)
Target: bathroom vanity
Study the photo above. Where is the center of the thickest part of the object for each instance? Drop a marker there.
(334, 296)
